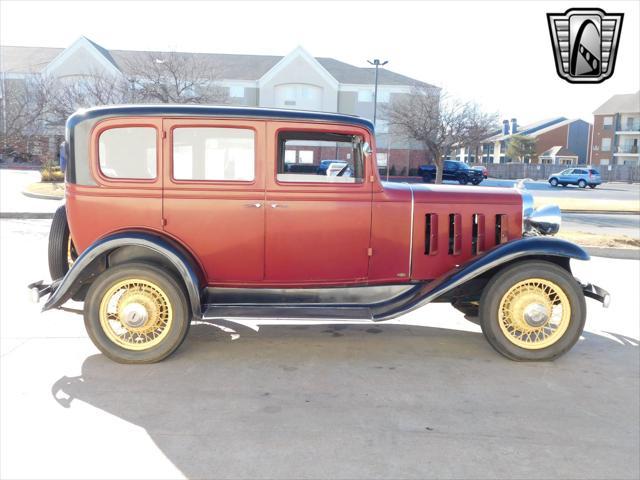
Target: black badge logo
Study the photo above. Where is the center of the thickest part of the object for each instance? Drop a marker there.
(585, 43)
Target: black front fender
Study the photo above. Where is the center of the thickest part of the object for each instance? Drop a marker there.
(537, 247)
(80, 271)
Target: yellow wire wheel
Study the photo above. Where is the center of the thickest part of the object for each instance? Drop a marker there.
(136, 314)
(534, 313)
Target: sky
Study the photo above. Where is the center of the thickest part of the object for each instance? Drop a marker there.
(497, 54)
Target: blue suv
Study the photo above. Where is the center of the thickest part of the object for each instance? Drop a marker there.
(581, 177)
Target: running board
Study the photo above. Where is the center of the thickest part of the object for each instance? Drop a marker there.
(284, 312)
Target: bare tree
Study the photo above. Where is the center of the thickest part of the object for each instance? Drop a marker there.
(174, 77)
(435, 120)
(25, 105)
(480, 126)
(97, 88)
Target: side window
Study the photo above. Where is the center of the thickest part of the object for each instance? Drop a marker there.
(128, 152)
(207, 153)
(320, 157)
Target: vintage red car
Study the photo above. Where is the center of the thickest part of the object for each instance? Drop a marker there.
(176, 213)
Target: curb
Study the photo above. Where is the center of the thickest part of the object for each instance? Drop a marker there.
(26, 215)
(618, 253)
(601, 212)
(41, 196)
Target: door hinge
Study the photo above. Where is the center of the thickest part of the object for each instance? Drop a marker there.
(164, 134)
(164, 222)
(370, 251)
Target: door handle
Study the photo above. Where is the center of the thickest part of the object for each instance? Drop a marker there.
(278, 205)
(253, 205)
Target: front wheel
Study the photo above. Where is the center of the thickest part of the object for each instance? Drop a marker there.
(136, 313)
(463, 181)
(582, 184)
(532, 311)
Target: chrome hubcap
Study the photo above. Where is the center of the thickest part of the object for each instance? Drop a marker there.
(134, 315)
(536, 315)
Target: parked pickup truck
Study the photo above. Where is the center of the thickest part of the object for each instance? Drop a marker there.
(180, 213)
(453, 170)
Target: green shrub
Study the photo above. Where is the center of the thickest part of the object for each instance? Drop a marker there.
(52, 174)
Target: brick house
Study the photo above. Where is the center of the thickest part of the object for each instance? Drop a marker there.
(570, 134)
(616, 131)
(295, 81)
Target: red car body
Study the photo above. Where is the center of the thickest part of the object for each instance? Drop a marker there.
(367, 233)
(265, 233)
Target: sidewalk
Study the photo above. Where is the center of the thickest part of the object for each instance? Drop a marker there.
(13, 204)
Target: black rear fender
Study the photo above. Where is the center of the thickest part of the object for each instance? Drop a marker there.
(126, 247)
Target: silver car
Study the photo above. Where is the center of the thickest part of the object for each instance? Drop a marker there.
(581, 177)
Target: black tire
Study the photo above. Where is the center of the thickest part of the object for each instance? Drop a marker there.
(476, 182)
(553, 182)
(592, 186)
(59, 244)
(564, 184)
(582, 184)
(500, 284)
(166, 283)
(463, 180)
(427, 179)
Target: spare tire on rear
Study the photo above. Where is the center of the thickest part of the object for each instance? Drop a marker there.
(61, 250)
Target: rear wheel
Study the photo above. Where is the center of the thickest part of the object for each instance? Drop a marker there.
(427, 178)
(592, 186)
(62, 252)
(533, 310)
(136, 313)
(582, 184)
(463, 180)
(554, 182)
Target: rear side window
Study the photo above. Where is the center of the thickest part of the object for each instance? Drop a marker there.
(594, 172)
(218, 154)
(128, 152)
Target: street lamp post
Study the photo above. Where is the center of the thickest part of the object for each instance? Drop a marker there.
(376, 63)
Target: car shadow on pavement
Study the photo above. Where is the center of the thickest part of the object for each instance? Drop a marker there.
(371, 401)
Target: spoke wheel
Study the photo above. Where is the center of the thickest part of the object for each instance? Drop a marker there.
(135, 314)
(532, 310)
(534, 313)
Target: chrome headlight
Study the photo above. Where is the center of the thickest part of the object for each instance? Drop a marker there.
(543, 221)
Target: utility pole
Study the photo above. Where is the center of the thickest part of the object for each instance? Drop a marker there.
(376, 63)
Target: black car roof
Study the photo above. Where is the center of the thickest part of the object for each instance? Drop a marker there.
(214, 111)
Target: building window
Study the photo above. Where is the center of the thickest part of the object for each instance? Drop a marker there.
(236, 92)
(218, 154)
(365, 96)
(607, 122)
(381, 159)
(604, 161)
(384, 96)
(605, 145)
(128, 153)
(382, 126)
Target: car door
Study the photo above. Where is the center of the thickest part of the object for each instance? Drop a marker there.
(566, 176)
(317, 225)
(214, 195)
(450, 170)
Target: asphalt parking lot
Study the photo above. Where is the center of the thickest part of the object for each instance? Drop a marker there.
(423, 397)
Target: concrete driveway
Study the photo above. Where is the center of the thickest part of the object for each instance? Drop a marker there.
(424, 397)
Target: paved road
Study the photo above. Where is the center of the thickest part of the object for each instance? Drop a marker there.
(628, 225)
(611, 191)
(424, 397)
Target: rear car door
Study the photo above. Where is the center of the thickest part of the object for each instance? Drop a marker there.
(213, 200)
(318, 226)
